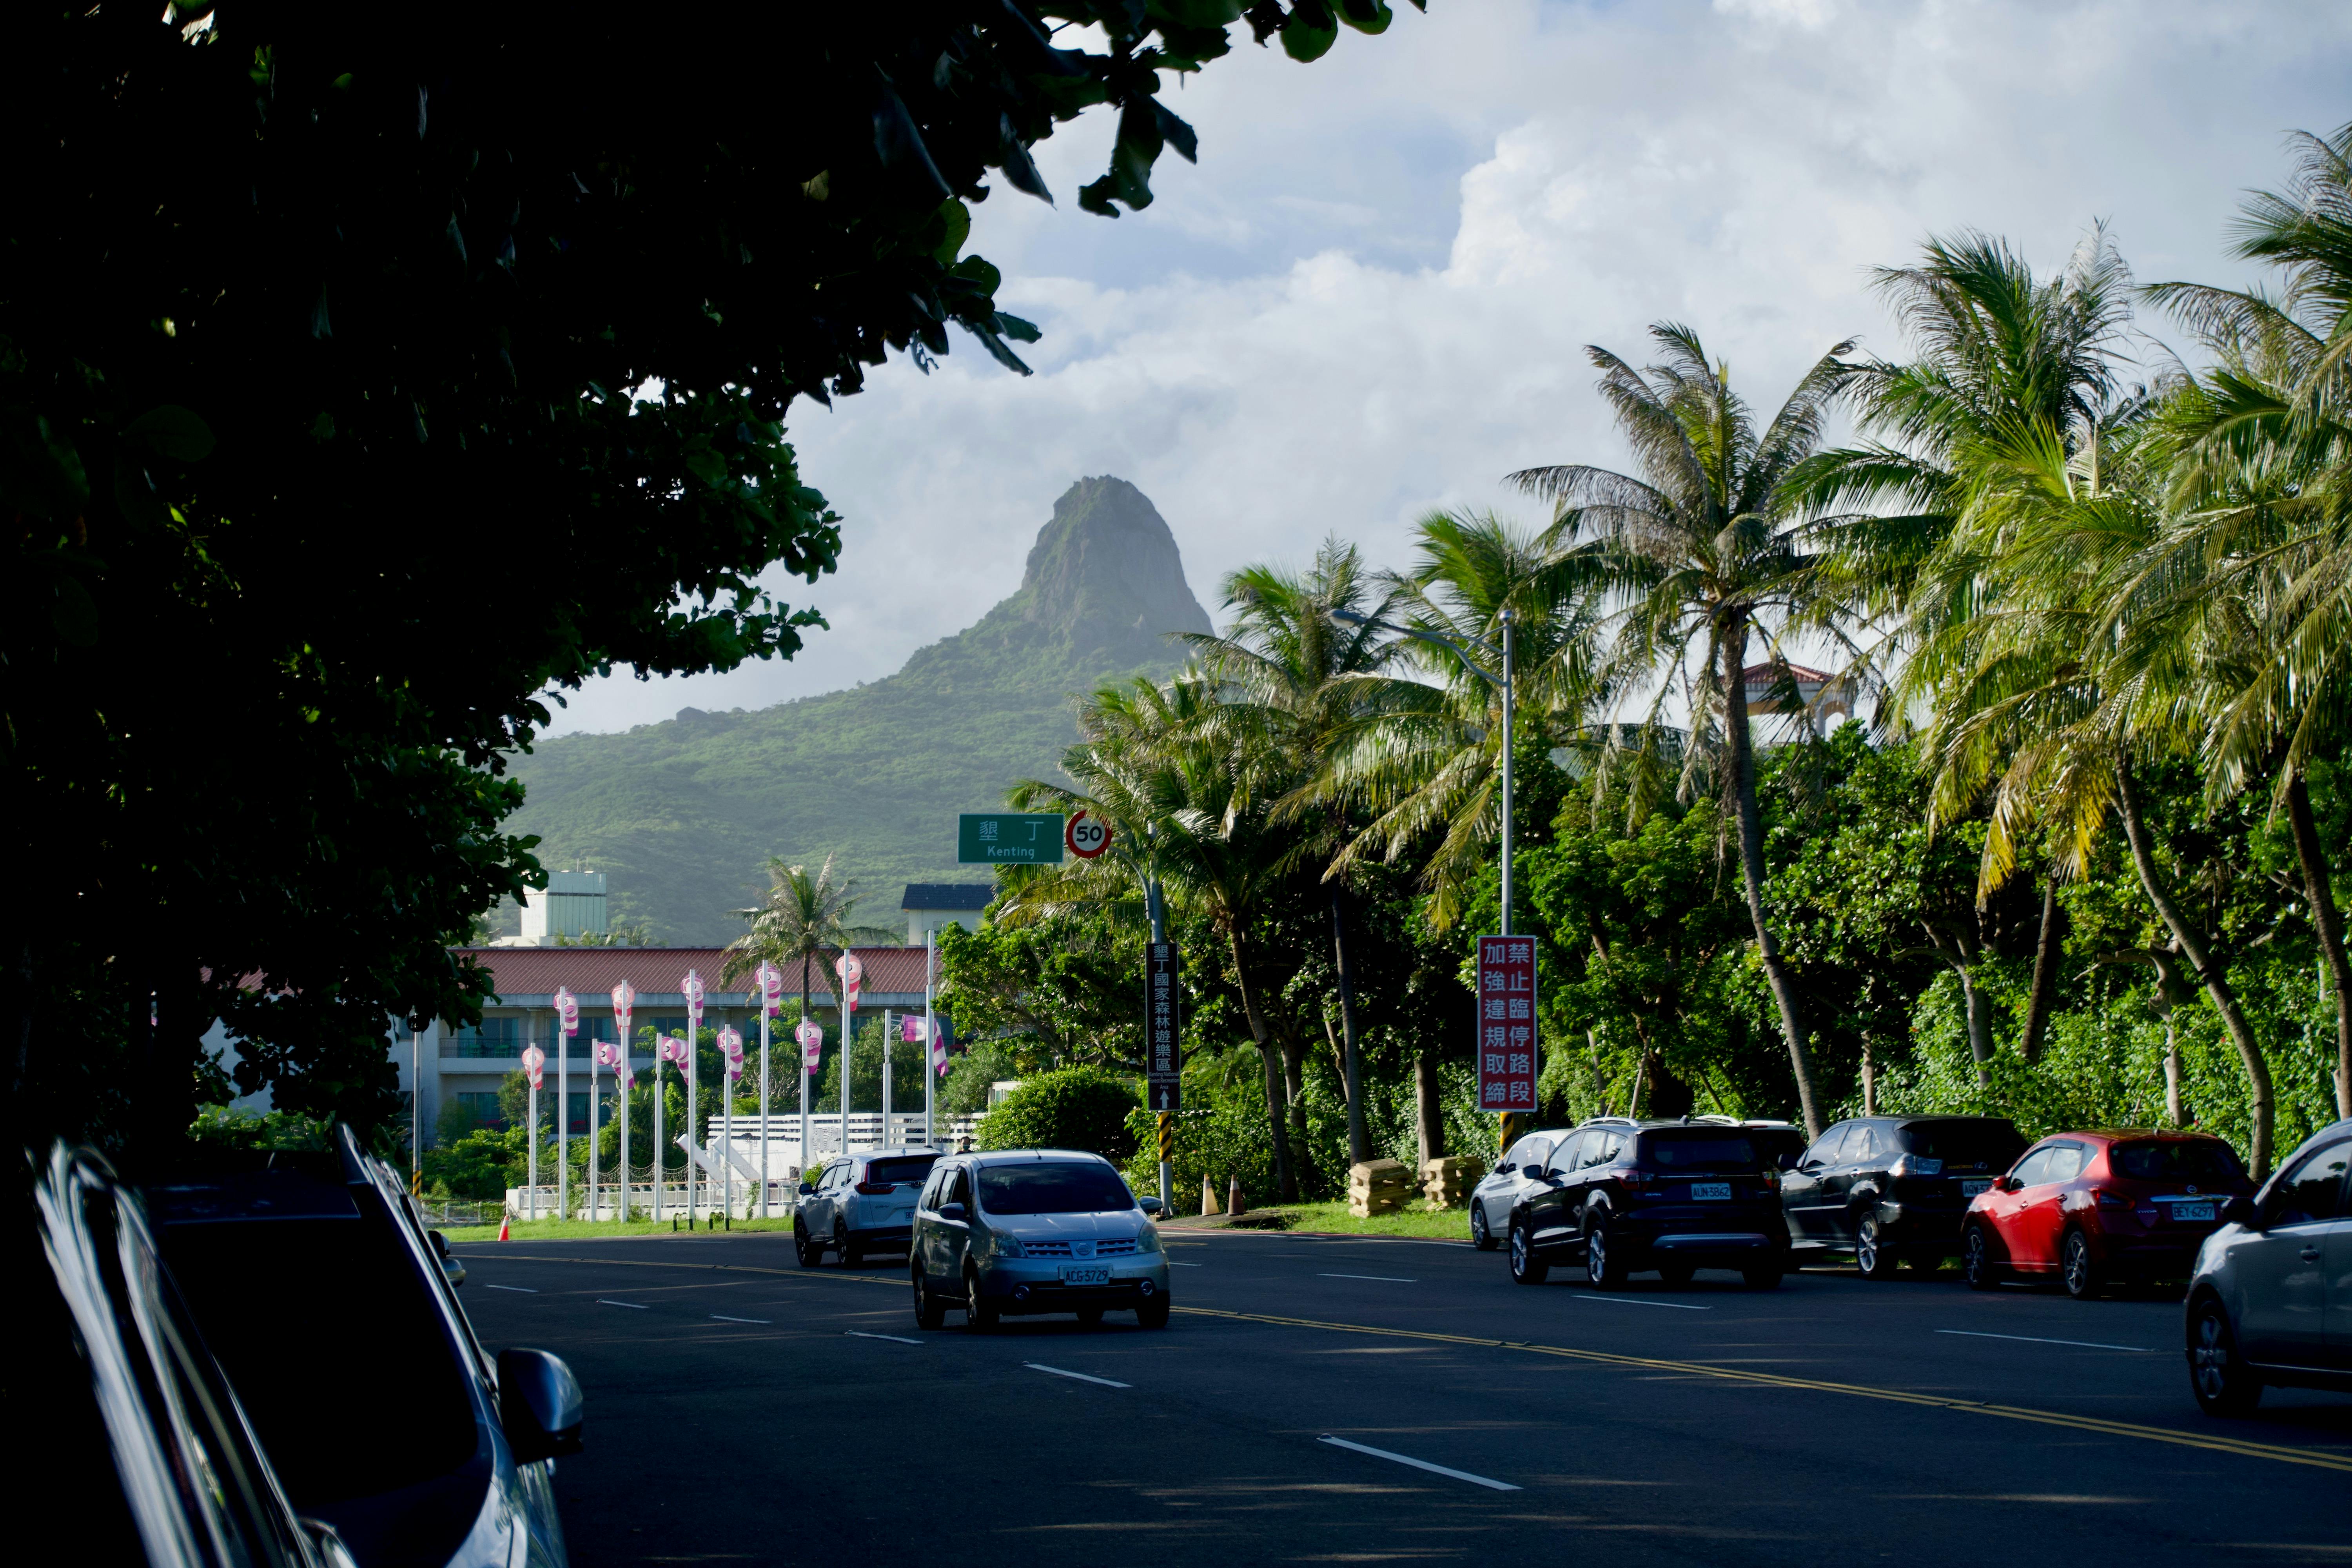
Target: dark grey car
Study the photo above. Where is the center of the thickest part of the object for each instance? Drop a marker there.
(2272, 1298)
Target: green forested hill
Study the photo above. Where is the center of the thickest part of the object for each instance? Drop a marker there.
(683, 815)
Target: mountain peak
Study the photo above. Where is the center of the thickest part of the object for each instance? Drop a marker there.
(1103, 587)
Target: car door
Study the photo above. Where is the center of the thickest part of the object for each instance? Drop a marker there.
(2002, 1203)
(1551, 1221)
(820, 1206)
(1511, 1180)
(954, 1235)
(2040, 1215)
(2281, 1273)
(1801, 1194)
(2338, 1264)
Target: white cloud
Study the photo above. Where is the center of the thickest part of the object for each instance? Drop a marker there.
(1372, 295)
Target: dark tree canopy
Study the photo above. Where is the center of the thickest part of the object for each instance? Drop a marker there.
(363, 375)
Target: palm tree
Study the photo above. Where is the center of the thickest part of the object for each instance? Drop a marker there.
(1283, 660)
(1703, 551)
(1999, 351)
(1193, 807)
(2262, 454)
(1425, 759)
(802, 918)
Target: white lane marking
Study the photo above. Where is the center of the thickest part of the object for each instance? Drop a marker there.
(1173, 1264)
(894, 1339)
(1420, 1464)
(518, 1289)
(1638, 1302)
(632, 1306)
(2030, 1339)
(1383, 1279)
(1081, 1376)
(725, 1318)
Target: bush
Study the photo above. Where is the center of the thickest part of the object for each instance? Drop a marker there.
(254, 1129)
(479, 1166)
(1079, 1108)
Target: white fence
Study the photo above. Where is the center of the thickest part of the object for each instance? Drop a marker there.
(867, 1131)
(781, 1195)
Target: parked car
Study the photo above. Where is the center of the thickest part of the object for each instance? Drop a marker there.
(2092, 1209)
(130, 1437)
(1034, 1230)
(860, 1203)
(2271, 1302)
(315, 1282)
(1884, 1189)
(1621, 1197)
(1499, 1191)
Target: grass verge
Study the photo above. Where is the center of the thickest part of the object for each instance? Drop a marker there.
(1449, 1225)
(582, 1230)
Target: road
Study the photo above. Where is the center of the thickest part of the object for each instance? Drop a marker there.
(744, 1410)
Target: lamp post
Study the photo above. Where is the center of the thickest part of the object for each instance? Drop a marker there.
(1501, 683)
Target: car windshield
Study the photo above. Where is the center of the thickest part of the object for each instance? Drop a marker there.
(1989, 1145)
(913, 1168)
(2210, 1161)
(1698, 1149)
(1060, 1186)
(321, 1324)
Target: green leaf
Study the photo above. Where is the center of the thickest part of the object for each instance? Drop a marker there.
(1176, 132)
(1310, 30)
(1015, 327)
(75, 615)
(1196, 13)
(1367, 16)
(706, 465)
(172, 431)
(956, 217)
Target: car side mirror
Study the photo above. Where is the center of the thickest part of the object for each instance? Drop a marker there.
(2240, 1211)
(1148, 1206)
(440, 1242)
(808, 1190)
(955, 1212)
(1786, 1161)
(1505, 1169)
(2012, 1184)
(539, 1405)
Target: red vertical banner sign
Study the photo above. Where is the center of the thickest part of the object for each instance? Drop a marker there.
(1507, 1023)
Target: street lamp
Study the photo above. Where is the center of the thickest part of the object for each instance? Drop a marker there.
(1501, 684)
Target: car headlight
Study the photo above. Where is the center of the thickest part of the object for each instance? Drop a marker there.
(1147, 1239)
(1005, 1246)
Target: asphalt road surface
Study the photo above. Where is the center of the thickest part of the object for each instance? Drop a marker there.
(1373, 1402)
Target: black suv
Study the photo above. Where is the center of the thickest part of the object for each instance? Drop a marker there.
(1887, 1188)
(314, 1280)
(1618, 1196)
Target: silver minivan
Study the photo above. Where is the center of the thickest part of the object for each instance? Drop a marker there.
(2272, 1298)
(1034, 1230)
(1520, 1170)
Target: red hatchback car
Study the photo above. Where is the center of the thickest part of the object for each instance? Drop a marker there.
(2095, 1208)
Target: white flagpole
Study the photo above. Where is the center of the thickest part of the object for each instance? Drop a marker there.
(659, 1147)
(802, 1053)
(562, 1121)
(533, 1178)
(592, 1133)
(621, 1080)
(765, 1106)
(931, 1031)
(889, 1022)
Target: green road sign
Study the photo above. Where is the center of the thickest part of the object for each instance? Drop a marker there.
(1008, 839)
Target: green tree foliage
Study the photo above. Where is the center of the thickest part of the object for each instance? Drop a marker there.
(299, 309)
(1076, 1108)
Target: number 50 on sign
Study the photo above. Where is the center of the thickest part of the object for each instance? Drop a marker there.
(1507, 1023)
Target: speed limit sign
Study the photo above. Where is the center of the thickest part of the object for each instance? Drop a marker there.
(1087, 837)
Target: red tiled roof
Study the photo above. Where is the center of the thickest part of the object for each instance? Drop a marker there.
(657, 972)
(1763, 675)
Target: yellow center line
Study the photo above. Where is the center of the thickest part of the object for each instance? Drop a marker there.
(2213, 1443)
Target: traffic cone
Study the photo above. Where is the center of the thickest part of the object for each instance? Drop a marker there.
(1208, 1195)
(1234, 1197)
(506, 1219)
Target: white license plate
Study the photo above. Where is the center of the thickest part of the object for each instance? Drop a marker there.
(1085, 1274)
(1711, 1190)
(1971, 1189)
(2192, 1211)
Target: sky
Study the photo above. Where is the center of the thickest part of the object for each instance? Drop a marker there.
(1371, 296)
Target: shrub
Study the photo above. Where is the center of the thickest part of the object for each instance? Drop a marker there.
(1077, 1108)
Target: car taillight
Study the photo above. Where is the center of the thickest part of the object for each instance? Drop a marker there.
(1634, 1180)
(2111, 1200)
(878, 1189)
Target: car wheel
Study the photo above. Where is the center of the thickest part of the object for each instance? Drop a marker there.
(805, 1247)
(1481, 1237)
(1872, 1257)
(1152, 1314)
(1526, 1267)
(2081, 1271)
(1765, 1278)
(979, 1312)
(1977, 1265)
(1676, 1274)
(2225, 1384)
(1604, 1269)
(851, 1258)
(928, 1312)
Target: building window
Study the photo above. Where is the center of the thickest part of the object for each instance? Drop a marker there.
(500, 1037)
(483, 1108)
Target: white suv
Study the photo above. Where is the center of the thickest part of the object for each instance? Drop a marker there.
(2271, 1300)
(860, 1203)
